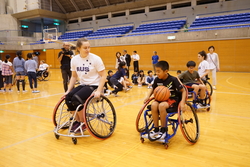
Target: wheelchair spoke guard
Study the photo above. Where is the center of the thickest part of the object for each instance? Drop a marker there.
(189, 124)
(99, 116)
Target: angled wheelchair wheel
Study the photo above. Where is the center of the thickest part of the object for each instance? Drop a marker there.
(208, 98)
(99, 116)
(189, 123)
(61, 115)
(39, 77)
(209, 88)
(140, 122)
(46, 75)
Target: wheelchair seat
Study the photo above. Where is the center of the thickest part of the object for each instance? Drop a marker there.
(189, 88)
(169, 110)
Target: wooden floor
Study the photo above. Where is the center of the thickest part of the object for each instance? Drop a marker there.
(27, 137)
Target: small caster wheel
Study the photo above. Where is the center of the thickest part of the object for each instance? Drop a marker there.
(57, 136)
(208, 109)
(142, 140)
(74, 140)
(166, 146)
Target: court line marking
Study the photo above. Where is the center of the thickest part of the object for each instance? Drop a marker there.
(112, 163)
(234, 93)
(234, 84)
(30, 99)
(35, 116)
(122, 155)
(232, 116)
(20, 142)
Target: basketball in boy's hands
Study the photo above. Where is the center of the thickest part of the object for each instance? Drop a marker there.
(161, 93)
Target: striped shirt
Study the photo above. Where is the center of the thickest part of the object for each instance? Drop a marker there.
(6, 69)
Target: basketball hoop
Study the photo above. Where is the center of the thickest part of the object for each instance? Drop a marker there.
(46, 40)
(50, 35)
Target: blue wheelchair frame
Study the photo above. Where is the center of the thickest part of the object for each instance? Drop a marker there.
(171, 122)
(196, 100)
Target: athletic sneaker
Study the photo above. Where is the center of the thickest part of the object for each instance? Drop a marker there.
(153, 134)
(75, 126)
(201, 106)
(162, 134)
(108, 93)
(25, 91)
(126, 90)
(114, 94)
(35, 91)
(214, 87)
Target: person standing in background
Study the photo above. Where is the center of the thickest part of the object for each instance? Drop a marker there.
(1, 76)
(35, 57)
(64, 57)
(119, 58)
(155, 59)
(7, 72)
(135, 57)
(30, 66)
(18, 65)
(214, 64)
(127, 59)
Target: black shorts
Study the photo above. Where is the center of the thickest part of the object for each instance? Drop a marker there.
(78, 96)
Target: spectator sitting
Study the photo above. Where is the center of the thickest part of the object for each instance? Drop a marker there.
(42, 67)
(150, 79)
(141, 78)
(134, 77)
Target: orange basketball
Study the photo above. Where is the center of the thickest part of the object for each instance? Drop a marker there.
(161, 93)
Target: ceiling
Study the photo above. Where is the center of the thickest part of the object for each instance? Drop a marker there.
(71, 9)
(69, 6)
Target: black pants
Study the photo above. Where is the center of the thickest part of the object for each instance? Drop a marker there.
(66, 75)
(128, 72)
(136, 66)
(32, 76)
(78, 96)
(119, 86)
(1, 80)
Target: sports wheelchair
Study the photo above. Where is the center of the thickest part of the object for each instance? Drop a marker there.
(188, 121)
(43, 75)
(208, 85)
(198, 103)
(99, 119)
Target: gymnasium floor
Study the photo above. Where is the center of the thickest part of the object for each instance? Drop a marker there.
(27, 137)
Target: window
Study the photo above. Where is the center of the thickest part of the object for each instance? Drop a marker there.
(73, 21)
(87, 19)
(154, 9)
(202, 2)
(102, 17)
(137, 11)
(118, 14)
(181, 5)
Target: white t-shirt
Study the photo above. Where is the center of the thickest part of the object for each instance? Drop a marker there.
(136, 57)
(203, 66)
(213, 60)
(43, 67)
(87, 68)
